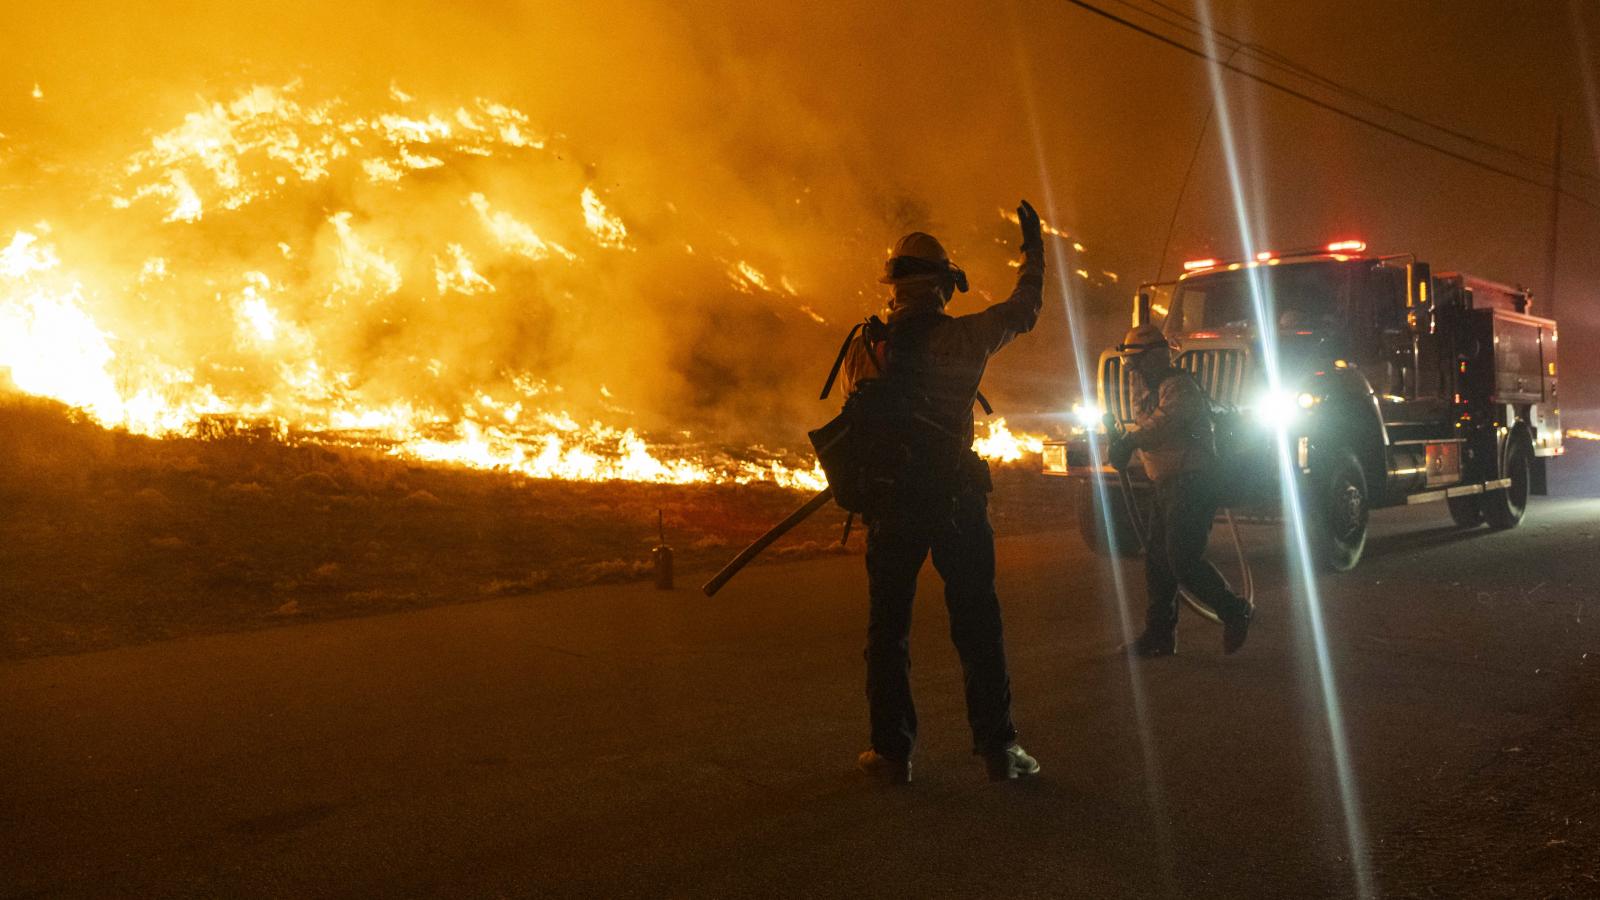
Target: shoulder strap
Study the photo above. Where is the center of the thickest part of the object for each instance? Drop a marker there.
(838, 361)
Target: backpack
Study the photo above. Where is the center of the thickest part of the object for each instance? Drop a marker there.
(1228, 447)
(886, 449)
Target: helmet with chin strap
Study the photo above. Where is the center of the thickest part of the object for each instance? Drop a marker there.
(919, 257)
(1141, 338)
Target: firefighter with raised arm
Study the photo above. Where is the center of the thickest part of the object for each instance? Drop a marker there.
(926, 492)
(1172, 432)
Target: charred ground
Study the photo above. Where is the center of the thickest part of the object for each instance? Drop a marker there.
(112, 539)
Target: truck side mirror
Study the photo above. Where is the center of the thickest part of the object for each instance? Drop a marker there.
(1419, 298)
(1141, 308)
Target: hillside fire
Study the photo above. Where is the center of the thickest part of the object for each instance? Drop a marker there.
(398, 276)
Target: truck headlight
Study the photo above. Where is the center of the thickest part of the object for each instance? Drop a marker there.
(1283, 407)
(1087, 415)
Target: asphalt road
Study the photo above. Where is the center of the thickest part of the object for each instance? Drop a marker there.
(621, 741)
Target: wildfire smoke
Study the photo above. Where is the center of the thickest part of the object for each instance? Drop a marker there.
(445, 275)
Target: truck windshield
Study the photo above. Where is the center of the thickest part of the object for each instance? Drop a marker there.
(1304, 297)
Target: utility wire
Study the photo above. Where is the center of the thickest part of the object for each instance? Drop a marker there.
(1330, 107)
(1183, 188)
(1279, 61)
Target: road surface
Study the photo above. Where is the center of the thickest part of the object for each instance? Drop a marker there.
(624, 742)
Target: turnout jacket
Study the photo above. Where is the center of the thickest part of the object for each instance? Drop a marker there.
(951, 352)
(1172, 427)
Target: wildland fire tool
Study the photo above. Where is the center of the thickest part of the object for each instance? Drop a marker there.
(1396, 385)
(761, 543)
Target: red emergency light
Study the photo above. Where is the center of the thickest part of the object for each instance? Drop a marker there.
(1337, 249)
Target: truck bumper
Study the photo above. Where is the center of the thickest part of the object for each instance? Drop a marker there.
(1071, 459)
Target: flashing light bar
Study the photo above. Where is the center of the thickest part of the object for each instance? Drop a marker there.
(1272, 257)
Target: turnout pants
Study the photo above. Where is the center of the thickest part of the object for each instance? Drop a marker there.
(962, 547)
(1180, 526)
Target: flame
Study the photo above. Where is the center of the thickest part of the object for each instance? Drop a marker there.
(514, 236)
(1001, 444)
(1582, 434)
(360, 265)
(278, 323)
(747, 278)
(457, 273)
(608, 230)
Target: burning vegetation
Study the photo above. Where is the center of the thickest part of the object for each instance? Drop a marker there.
(115, 538)
(436, 281)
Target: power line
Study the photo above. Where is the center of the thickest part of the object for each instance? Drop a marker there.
(1183, 187)
(1330, 107)
(1284, 63)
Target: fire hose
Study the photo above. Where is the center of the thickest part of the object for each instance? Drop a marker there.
(1126, 483)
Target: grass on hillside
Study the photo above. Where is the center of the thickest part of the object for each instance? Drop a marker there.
(109, 539)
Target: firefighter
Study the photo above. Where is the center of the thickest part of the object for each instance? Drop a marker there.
(1173, 434)
(940, 359)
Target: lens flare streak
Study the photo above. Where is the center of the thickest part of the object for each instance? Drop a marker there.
(1305, 582)
(1084, 365)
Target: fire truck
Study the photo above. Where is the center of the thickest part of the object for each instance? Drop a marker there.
(1396, 386)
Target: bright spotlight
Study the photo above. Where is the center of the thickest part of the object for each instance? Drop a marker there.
(1278, 409)
(1087, 415)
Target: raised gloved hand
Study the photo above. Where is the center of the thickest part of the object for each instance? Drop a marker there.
(1120, 452)
(1032, 234)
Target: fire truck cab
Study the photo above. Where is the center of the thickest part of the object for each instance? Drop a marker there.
(1396, 385)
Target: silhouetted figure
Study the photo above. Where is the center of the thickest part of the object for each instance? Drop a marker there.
(933, 495)
(1173, 434)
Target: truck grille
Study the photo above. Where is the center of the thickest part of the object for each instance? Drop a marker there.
(1116, 389)
(1220, 372)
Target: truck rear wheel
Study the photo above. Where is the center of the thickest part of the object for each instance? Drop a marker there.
(1340, 507)
(1504, 508)
(1092, 522)
(1467, 512)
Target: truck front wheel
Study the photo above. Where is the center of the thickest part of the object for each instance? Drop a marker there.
(1340, 507)
(1504, 508)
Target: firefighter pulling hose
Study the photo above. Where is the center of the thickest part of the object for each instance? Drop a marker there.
(1173, 433)
(1114, 429)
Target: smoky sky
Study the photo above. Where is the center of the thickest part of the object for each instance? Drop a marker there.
(804, 139)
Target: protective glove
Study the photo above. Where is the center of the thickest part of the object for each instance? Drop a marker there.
(1032, 234)
(1120, 452)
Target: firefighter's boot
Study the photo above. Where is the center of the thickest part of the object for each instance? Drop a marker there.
(1012, 762)
(882, 768)
(1236, 628)
(1152, 644)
